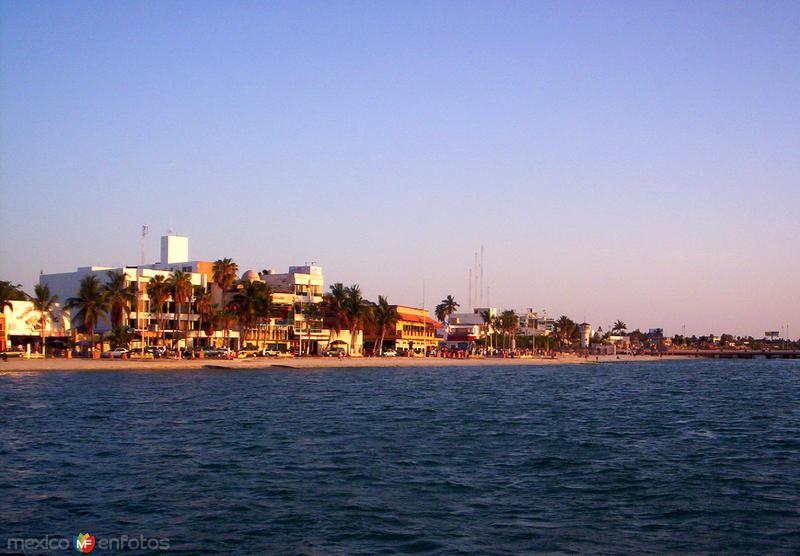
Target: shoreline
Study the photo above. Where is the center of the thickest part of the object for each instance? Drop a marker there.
(300, 363)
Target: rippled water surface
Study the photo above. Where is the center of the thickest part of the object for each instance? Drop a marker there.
(619, 458)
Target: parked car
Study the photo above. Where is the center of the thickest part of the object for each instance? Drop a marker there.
(116, 353)
(268, 353)
(389, 353)
(157, 351)
(335, 352)
(218, 352)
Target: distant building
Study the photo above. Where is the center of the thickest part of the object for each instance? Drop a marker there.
(533, 324)
(603, 349)
(586, 334)
(414, 331)
(289, 328)
(20, 325)
(142, 317)
(468, 327)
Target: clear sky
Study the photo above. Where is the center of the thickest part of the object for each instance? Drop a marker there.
(632, 160)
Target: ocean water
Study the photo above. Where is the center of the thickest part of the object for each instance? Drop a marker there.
(631, 458)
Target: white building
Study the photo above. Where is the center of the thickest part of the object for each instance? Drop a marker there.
(533, 324)
(174, 256)
(468, 327)
(292, 290)
(23, 325)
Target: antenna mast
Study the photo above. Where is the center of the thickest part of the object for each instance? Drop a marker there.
(141, 243)
(481, 279)
(469, 288)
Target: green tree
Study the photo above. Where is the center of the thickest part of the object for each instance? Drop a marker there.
(224, 273)
(180, 286)
(158, 292)
(446, 308)
(336, 306)
(385, 318)
(120, 337)
(263, 311)
(565, 329)
(120, 296)
(204, 308)
(224, 320)
(488, 321)
(510, 326)
(91, 306)
(312, 313)
(619, 327)
(10, 292)
(357, 311)
(248, 304)
(44, 303)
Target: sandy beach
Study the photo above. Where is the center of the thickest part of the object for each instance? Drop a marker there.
(23, 365)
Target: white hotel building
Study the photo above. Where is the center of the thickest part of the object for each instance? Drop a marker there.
(174, 256)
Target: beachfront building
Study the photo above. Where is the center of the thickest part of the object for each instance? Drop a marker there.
(149, 325)
(586, 334)
(469, 327)
(531, 323)
(291, 326)
(21, 328)
(293, 292)
(413, 333)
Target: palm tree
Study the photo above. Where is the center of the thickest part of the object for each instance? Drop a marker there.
(248, 304)
(488, 320)
(444, 309)
(225, 318)
(120, 336)
(356, 310)
(385, 318)
(336, 308)
(312, 312)
(180, 285)
(158, 292)
(44, 303)
(224, 274)
(120, 296)
(263, 310)
(619, 327)
(510, 325)
(202, 305)
(10, 292)
(92, 305)
(566, 328)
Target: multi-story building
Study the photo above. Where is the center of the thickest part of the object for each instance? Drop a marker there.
(414, 332)
(143, 317)
(468, 327)
(20, 326)
(533, 324)
(289, 328)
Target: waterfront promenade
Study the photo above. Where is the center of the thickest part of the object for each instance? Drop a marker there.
(305, 362)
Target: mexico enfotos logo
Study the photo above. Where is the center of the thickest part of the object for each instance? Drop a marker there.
(85, 543)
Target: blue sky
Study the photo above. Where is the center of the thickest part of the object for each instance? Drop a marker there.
(634, 160)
